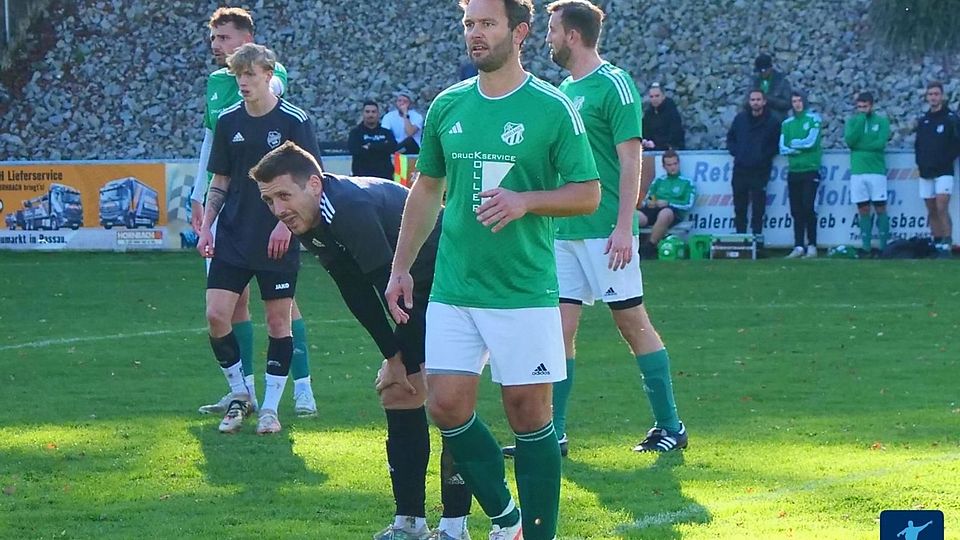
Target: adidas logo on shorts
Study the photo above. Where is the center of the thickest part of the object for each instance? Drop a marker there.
(610, 292)
(455, 480)
(541, 370)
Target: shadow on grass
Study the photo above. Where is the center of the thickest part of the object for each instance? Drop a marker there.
(229, 460)
(651, 496)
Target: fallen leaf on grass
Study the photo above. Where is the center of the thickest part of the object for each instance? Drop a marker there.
(50, 446)
(877, 446)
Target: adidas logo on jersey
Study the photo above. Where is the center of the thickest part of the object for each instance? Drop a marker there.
(456, 129)
(541, 370)
(610, 292)
(238, 137)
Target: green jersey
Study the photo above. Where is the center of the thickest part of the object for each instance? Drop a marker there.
(609, 103)
(222, 92)
(800, 141)
(867, 138)
(678, 191)
(531, 139)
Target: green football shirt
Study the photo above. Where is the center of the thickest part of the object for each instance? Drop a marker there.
(222, 92)
(530, 139)
(610, 106)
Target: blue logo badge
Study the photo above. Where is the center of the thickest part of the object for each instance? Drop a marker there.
(911, 525)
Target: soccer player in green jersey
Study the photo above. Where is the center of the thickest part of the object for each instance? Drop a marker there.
(229, 29)
(511, 151)
(595, 258)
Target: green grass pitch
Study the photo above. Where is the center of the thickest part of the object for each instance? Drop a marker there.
(816, 394)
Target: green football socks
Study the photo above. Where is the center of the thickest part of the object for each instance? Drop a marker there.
(866, 231)
(538, 481)
(244, 332)
(561, 395)
(300, 365)
(883, 229)
(480, 460)
(658, 385)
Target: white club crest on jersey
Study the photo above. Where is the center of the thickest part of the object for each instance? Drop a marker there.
(578, 103)
(512, 133)
(238, 138)
(273, 139)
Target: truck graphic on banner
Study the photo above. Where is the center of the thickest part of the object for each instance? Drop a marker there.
(59, 207)
(128, 202)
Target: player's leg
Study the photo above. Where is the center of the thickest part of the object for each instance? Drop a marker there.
(741, 199)
(795, 192)
(928, 194)
(665, 219)
(860, 195)
(646, 217)
(225, 282)
(809, 209)
(243, 329)
(304, 402)
(944, 187)
(526, 359)
(758, 207)
(574, 288)
(277, 290)
(456, 355)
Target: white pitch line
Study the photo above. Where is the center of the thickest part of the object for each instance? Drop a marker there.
(701, 514)
(792, 305)
(85, 339)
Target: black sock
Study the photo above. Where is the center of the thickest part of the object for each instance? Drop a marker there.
(226, 349)
(279, 355)
(408, 451)
(454, 493)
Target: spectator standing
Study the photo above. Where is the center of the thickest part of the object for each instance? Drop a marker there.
(867, 133)
(662, 125)
(752, 141)
(937, 146)
(773, 84)
(406, 123)
(800, 141)
(371, 145)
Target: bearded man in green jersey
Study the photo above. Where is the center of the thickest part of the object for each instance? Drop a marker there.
(595, 252)
(511, 151)
(229, 29)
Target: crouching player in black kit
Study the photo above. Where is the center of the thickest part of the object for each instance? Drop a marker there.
(351, 224)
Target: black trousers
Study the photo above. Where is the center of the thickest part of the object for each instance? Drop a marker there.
(803, 193)
(750, 190)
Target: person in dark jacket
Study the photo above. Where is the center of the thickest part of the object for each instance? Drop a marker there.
(753, 141)
(662, 126)
(371, 145)
(937, 146)
(774, 86)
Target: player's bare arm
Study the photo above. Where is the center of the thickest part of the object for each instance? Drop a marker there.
(216, 196)
(620, 243)
(503, 206)
(279, 241)
(419, 218)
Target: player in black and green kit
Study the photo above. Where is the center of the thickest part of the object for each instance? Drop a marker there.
(510, 150)
(595, 252)
(229, 29)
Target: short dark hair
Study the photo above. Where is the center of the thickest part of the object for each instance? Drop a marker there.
(753, 90)
(582, 16)
(518, 11)
(935, 84)
(371, 103)
(240, 18)
(865, 97)
(670, 153)
(288, 158)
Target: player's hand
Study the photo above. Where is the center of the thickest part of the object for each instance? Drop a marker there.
(619, 249)
(403, 110)
(399, 286)
(392, 371)
(205, 243)
(196, 215)
(501, 207)
(648, 144)
(279, 241)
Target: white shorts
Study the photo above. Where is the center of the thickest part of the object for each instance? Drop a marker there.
(584, 275)
(868, 188)
(522, 346)
(941, 185)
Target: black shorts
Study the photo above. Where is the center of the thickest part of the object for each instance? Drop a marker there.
(273, 285)
(413, 335)
(652, 214)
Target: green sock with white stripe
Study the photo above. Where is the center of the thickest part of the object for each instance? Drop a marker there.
(300, 364)
(561, 396)
(244, 332)
(480, 462)
(658, 386)
(865, 222)
(538, 481)
(883, 229)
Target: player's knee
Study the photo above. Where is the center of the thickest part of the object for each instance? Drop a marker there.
(394, 397)
(863, 208)
(278, 322)
(665, 215)
(447, 410)
(217, 317)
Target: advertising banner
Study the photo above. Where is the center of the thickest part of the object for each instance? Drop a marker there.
(56, 206)
(711, 173)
